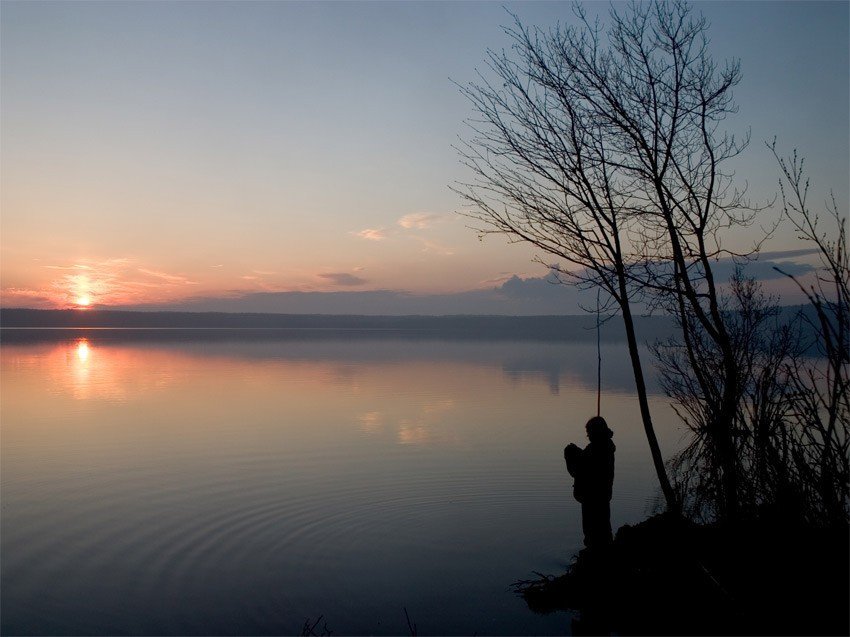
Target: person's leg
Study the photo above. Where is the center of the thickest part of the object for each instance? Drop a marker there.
(596, 523)
(605, 534)
(587, 523)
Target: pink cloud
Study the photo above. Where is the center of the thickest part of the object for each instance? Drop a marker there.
(419, 220)
(372, 234)
(168, 278)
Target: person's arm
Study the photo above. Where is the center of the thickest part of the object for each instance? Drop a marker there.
(571, 455)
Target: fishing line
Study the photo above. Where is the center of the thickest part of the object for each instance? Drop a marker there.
(598, 360)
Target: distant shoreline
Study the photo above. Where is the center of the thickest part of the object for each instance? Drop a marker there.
(15, 323)
(25, 324)
(25, 317)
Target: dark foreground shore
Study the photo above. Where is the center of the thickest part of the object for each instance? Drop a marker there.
(666, 576)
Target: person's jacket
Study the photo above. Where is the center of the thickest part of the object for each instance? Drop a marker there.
(593, 470)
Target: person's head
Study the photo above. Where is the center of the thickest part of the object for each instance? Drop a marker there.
(597, 429)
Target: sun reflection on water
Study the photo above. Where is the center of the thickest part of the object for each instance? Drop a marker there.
(84, 369)
(83, 350)
(420, 403)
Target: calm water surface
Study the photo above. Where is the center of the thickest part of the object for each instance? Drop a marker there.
(232, 485)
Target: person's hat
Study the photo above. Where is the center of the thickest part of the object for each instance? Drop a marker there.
(597, 428)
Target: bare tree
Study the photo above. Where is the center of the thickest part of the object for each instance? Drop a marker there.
(821, 400)
(604, 150)
(692, 374)
(791, 433)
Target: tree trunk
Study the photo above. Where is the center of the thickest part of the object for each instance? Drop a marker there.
(724, 424)
(649, 429)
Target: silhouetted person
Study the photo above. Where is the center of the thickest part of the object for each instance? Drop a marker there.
(593, 470)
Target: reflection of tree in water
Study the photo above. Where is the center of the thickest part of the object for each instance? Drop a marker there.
(564, 366)
(549, 371)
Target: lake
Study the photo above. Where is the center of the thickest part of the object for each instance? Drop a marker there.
(238, 482)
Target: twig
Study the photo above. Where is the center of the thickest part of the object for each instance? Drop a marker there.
(410, 627)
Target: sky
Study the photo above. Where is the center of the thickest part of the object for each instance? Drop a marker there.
(248, 155)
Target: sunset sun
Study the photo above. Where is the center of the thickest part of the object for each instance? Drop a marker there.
(83, 300)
